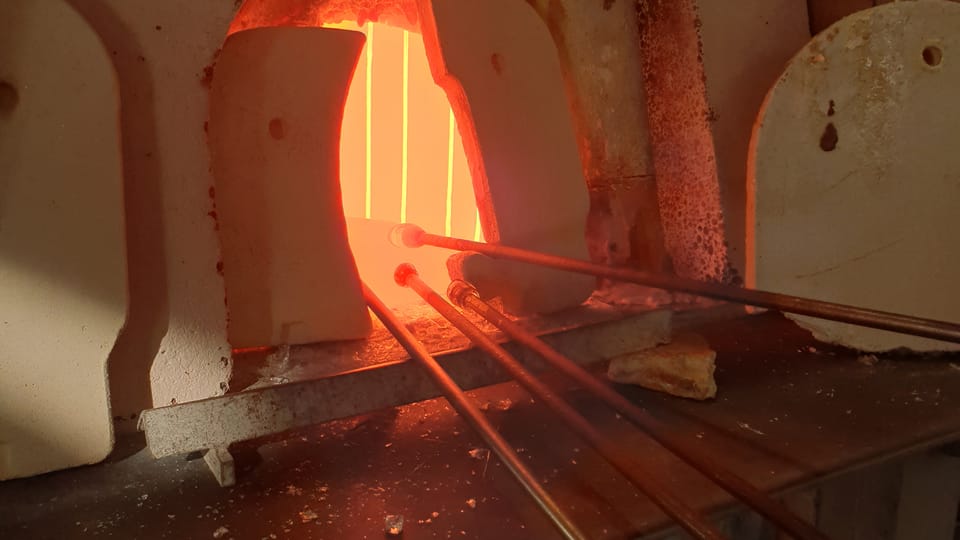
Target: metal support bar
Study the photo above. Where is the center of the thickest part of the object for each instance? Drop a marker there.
(413, 236)
(472, 415)
(465, 295)
(688, 518)
(223, 420)
(221, 464)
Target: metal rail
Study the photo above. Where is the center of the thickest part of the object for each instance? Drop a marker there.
(688, 518)
(465, 295)
(459, 401)
(413, 236)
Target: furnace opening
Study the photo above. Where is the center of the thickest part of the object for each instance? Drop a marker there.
(329, 126)
(401, 160)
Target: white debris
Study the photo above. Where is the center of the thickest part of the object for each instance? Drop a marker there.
(479, 453)
(472, 503)
(393, 525)
(747, 427)
(868, 359)
(307, 515)
(221, 532)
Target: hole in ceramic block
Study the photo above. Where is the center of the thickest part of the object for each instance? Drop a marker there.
(497, 62)
(276, 128)
(932, 55)
(830, 138)
(9, 97)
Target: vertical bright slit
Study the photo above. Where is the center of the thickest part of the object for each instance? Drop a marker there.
(368, 183)
(477, 231)
(398, 130)
(404, 126)
(448, 209)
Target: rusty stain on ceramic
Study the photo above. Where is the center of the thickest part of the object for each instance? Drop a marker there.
(684, 158)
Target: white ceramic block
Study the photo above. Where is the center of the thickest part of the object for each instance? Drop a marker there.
(499, 66)
(275, 113)
(63, 286)
(854, 174)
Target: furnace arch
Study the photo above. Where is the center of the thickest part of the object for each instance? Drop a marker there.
(400, 159)
(504, 79)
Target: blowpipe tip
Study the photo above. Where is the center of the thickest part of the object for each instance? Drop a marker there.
(407, 235)
(403, 273)
(459, 290)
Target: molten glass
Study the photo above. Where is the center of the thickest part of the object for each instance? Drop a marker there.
(406, 235)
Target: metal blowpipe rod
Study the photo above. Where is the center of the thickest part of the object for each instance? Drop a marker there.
(459, 401)
(689, 519)
(465, 295)
(413, 236)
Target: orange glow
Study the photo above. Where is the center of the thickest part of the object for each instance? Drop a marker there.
(448, 207)
(368, 147)
(477, 230)
(253, 350)
(404, 126)
(401, 157)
